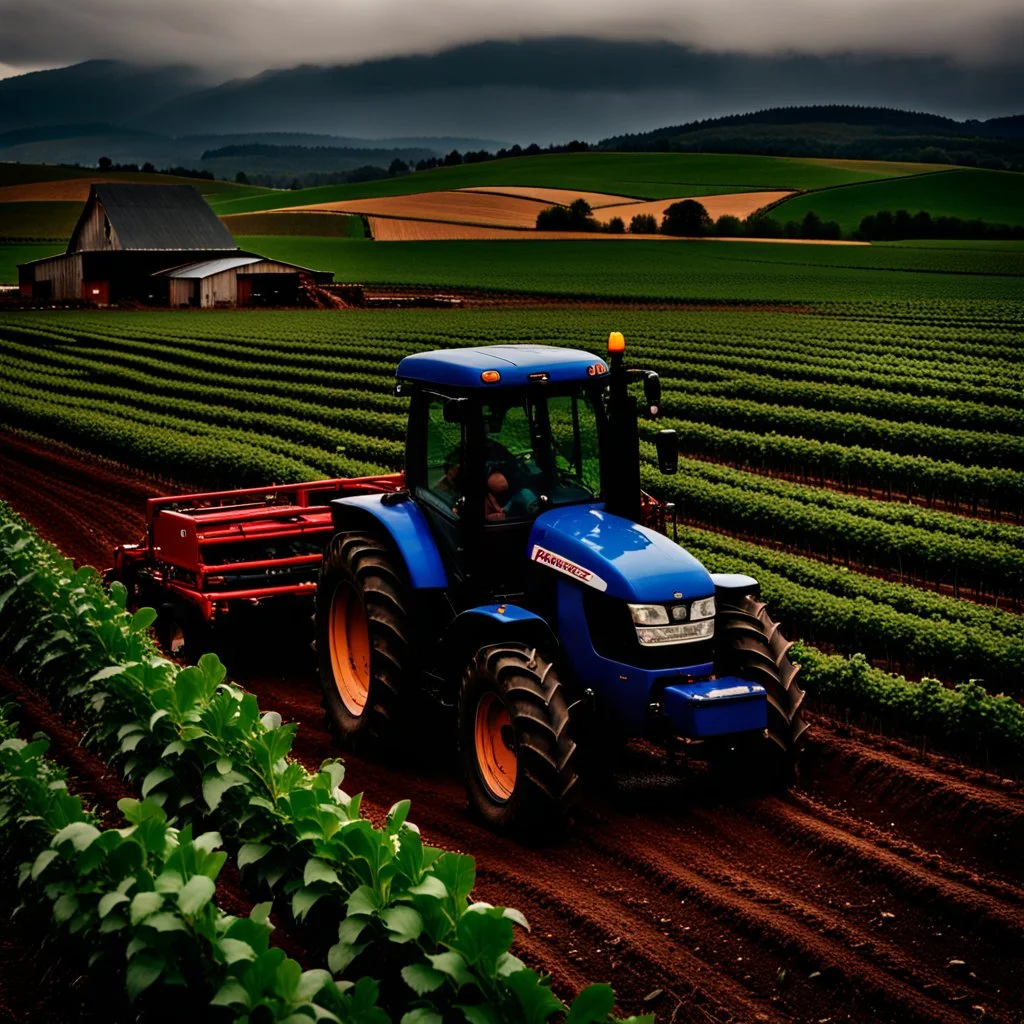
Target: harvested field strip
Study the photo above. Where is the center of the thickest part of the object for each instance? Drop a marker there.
(737, 204)
(396, 229)
(456, 207)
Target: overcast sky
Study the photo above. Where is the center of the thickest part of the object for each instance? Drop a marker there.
(244, 36)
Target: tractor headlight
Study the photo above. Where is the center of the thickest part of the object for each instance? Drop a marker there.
(680, 633)
(649, 614)
(702, 609)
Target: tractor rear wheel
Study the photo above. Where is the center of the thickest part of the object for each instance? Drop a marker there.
(749, 645)
(362, 629)
(519, 759)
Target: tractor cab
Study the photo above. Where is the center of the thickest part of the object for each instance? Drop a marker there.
(497, 436)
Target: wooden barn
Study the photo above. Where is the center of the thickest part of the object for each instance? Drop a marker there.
(161, 245)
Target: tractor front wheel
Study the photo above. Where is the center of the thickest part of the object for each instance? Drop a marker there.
(362, 626)
(750, 646)
(518, 756)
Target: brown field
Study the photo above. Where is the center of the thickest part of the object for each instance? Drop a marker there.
(553, 196)
(459, 207)
(77, 189)
(736, 204)
(397, 229)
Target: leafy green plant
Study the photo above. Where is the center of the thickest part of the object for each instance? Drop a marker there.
(199, 748)
(138, 902)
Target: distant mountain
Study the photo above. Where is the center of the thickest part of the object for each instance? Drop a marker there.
(97, 91)
(843, 131)
(540, 90)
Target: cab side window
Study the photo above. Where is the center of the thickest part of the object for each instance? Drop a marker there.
(445, 462)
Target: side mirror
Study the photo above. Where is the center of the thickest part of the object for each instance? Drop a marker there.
(652, 393)
(455, 410)
(667, 443)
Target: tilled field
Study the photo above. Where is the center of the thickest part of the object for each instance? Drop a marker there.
(887, 888)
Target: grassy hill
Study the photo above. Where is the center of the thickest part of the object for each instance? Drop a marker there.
(994, 196)
(640, 175)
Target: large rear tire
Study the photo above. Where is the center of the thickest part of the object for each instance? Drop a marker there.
(750, 645)
(519, 759)
(362, 630)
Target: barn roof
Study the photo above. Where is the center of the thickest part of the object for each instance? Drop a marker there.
(210, 267)
(157, 217)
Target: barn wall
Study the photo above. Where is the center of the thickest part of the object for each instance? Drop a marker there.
(268, 267)
(219, 289)
(92, 234)
(180, 291)
(65, 275)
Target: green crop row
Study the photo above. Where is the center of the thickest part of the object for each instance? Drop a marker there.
(959, 719)
(980, 565)
(137, 903)
(397, 909)
(856, 620)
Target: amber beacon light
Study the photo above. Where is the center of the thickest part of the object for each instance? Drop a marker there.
(616, 343)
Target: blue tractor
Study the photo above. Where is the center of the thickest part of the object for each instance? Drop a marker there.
(512, 579)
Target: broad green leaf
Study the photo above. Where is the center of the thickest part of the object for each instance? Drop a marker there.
(362, 901)
(421, 1015)
(107, 673)
(197, 892)
(110, 900)
(303, 901)
(317, 870)
(422, 978)
(64, 908)
(458, 872)
(404, 923)
(516, 915)
(454, 965)
(165, 921)
(250, 853)
(154, 778)
(593, 1005)
(537, 1002)
(397, 815)
(143, 619)
(430, 886)
(312, 982)
(40, 863)
(80, 833)
(215, 786)
(143, 970)
(481, 1013)
(231, 993)
(341, 954)
(235, 950)
(144, 904)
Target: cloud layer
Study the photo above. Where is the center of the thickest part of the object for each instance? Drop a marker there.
(244, 36)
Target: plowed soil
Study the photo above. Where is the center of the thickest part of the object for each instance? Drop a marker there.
(737, 204)
(553, 196)
(887, 887)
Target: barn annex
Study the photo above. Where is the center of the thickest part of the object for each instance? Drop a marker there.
(161, 245)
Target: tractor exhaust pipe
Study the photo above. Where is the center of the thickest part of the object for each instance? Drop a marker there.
(622, 485)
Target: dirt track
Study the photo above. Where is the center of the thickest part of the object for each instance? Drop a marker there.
(854, 899)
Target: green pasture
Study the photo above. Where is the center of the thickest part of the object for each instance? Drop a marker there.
(643, 175)
(326, 225)
(38, 220)
(994, 196)
(677, 271)
(12, 255)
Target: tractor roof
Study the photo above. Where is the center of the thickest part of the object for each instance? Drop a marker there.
(516, 364)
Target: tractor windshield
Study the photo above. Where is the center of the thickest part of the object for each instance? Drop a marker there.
(541, 450)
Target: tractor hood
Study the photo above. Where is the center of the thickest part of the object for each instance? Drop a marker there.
(616, 556)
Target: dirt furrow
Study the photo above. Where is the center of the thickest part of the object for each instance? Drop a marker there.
(888, 888)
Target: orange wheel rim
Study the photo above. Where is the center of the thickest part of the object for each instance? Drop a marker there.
(495, 747)
(349, 637)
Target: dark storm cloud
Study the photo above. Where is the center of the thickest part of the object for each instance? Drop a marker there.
(248, 35)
